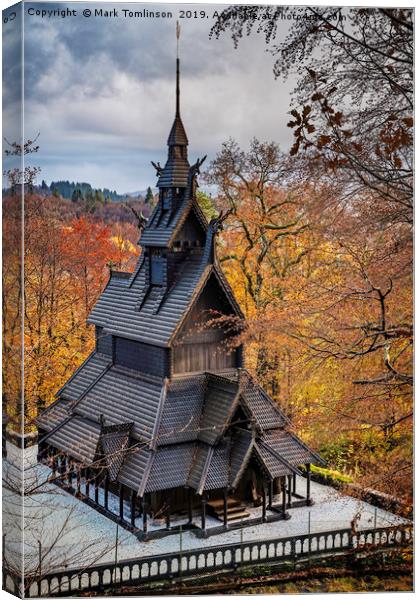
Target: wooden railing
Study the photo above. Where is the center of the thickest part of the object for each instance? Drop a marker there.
(227, 557)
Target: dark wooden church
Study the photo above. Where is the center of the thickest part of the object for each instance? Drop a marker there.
(163, 413)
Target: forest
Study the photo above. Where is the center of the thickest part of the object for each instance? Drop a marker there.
(317, 248)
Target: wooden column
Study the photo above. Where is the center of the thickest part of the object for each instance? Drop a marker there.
(289, 491)
(264, 503)
(63, 465)
(190, 508)
(106, 491)
(168, 515)
(225, 508)
(270, 493)
(283, 496)
(294, 483)
(121, 498)
(54, 465)
(308, 484)
(69, 472)
(96, 488)
(144, 514)
(133, 509)
(203, 512)
(87, 482)
(78, 479)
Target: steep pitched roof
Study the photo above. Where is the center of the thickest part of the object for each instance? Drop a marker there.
(135, 466)
(290, 448)
(258, 404)
(162, 232)
(54, 415)
(79, 437)
(271, 462)
(121, 396)
(117, 308)
(219, 404)
(86, 375)
(170, 467)
(182, 409)
(114, 442)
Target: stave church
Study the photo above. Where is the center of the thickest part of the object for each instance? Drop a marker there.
(162, 426)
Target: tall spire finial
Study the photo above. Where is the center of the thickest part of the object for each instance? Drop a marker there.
(178, 31)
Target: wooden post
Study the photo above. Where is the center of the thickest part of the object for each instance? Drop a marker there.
(121, 497)
(87, 482)
(106, 491)
(69, 469)
(225, 508)
(308, 484)
(168, 515)
(133, 509)
(289, 491)
(144, 505)
(78, 479)
(203, 512)
(61, 466)
(264, 503)
(294, 483)
(190, 508)
(283, 497)
(270, 494)
(96, 488)
(54, 465)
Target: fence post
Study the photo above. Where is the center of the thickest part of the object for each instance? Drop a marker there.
(180, 550)
(242, 541)
(114, 571)
(309, 539)
(39, 558)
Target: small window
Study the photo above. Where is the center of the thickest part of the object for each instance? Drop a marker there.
(157, 270)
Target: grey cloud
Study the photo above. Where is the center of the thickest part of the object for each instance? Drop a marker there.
(102, 94)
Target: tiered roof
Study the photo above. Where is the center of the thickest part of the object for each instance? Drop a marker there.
(153, 433)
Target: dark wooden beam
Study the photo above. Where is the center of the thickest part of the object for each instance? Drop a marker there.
(203, 512)
(133, 509)
(144, 504)
(264, 503)
(168, 514)
(121, 498)
(283, 496)
(270, 493)
(294, 483)
(289, 491)
(87, 482)
(62, 468)
(78, 479)
(225, 508)
(69, 472)
(96, 480)
(308, 484)
(190, 507)
(54, 465)
(106, 491)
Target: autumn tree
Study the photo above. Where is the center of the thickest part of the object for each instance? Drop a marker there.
(261, 244)
(352, 118)
(353, 113)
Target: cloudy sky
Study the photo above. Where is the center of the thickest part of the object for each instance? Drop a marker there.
(101, 91)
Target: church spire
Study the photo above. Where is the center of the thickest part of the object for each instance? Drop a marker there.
(175, 172)
(177, 136)
(178, 32)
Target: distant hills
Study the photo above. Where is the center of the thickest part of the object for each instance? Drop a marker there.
(141, 193)
(84, 191)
